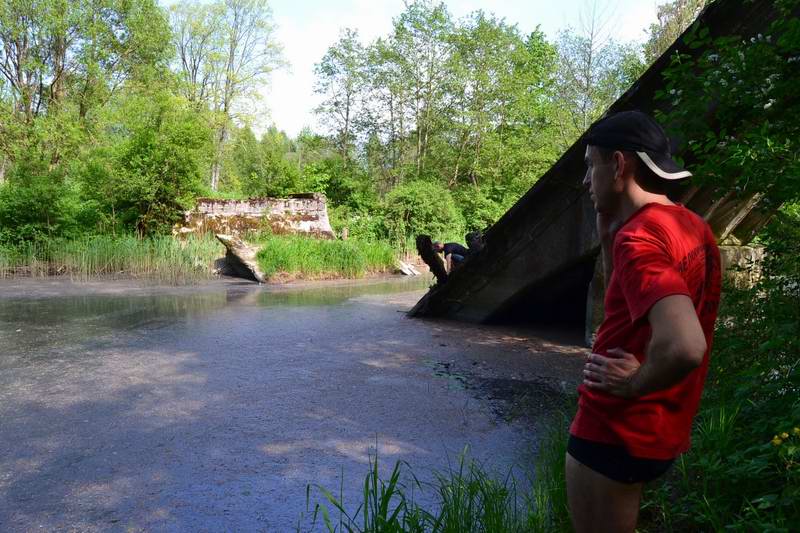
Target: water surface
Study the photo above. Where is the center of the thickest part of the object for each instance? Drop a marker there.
(214, 407)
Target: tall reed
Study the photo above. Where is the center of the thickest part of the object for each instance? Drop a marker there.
(311, 258)
(467, 498)
(162, 258)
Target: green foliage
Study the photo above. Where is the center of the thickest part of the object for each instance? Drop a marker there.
(745, 86)
(121, 144)
(76, 53)
(152, 165)
(36, 205)
(673, 18)
(162, 259)
(742, 472)
(360, 224)
(261, 168)
(467, 497)
(479, 209)
(419, 207)
(310, 258)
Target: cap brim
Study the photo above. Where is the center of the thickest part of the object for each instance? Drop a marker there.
(663, 166)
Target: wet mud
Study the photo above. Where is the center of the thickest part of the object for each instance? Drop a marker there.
(212, 408)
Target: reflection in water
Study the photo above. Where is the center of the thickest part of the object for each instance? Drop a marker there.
(32, 327)
(335, 294)
(44, 328)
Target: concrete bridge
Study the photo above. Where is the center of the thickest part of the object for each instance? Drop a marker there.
(540, 261)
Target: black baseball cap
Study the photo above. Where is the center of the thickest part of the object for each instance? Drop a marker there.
(634, 131)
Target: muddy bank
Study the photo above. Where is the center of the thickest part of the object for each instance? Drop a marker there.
(213, 407)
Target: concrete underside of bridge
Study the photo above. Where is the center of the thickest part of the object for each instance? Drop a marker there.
(539, 260)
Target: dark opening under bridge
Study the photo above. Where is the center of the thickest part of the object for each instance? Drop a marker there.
(540, 260)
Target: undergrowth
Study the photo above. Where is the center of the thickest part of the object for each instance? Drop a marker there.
(310, 258)
(160, 258)
(464, 498)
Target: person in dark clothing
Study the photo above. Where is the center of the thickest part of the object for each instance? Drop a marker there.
(431, 258)
(454, 253)
(474, 241)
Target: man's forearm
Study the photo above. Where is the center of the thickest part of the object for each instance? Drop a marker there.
(661, 370)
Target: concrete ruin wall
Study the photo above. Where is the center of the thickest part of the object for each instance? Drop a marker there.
(298, 214)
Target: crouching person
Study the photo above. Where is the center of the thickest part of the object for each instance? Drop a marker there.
(454, 253)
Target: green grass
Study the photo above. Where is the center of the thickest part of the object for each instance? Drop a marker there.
(466, 498)
(310, 258)
(162, 259)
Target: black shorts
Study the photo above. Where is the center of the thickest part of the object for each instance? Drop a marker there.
(614, 462)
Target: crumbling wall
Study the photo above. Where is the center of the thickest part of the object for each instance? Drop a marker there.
(298, 214)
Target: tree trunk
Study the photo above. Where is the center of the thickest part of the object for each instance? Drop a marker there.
(217, 163)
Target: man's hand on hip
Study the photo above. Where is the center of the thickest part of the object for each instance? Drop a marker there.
(611, 373)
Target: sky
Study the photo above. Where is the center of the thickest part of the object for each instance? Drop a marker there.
(306, 28)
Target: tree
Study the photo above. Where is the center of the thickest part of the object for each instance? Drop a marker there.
(151, 164)
(54, 49)
(341, 81)
(421, 47)
(673, 18)
(422, 207)
(594, 70)
(500, 86)
(197, 37)
(250, 55)
(226, 51)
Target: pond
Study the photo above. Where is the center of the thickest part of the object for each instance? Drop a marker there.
(213, 407)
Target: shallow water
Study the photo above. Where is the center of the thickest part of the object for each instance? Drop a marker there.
(214, 407)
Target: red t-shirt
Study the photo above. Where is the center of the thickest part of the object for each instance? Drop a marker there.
(660, 251)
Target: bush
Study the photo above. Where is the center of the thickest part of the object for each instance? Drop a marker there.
(478, 209)
(362, 225)
(154, 163)
(743, 471)
(310, 258)
(422, 207)
(37, 205)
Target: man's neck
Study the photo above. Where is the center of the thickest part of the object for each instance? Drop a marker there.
(635, 200)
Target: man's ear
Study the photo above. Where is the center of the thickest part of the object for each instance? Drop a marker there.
(619, 168)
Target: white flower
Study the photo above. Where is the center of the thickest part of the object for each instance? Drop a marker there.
(713, 58)
(769, 104)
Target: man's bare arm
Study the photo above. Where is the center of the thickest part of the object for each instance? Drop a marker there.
(677, 346)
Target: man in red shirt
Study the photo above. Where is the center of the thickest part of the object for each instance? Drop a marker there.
(644, 378)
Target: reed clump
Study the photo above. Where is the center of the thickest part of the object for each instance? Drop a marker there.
(467, 497)
(309, 258)
(162, 259)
